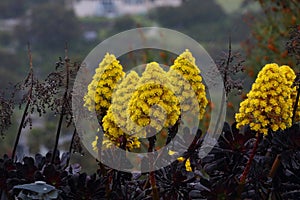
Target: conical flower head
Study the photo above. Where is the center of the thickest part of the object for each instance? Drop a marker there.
(269, 103)
(115, 122)
(187, 83)
(106, 78)
(153, 103)
(121, 98)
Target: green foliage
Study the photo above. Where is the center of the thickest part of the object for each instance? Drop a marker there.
(123, 24)
(197, 18)
(192, 11)
(10, 68)
(51, 25)
(11, 8)
(270, 32)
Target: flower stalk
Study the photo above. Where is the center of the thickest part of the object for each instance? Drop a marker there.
(250, 160)
(296, 106)
(63, 106)
(21, 126)
(275, 166)
(242, 180)
(152, 179)
(28, 102)
(71, 147)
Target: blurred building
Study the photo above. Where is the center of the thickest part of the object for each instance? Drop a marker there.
(114, 8)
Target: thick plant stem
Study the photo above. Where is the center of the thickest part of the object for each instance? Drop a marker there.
(62, 112)
(153, 186)
(273, 171)
(275, 166)
(72, 141)
(227, 66)
(296, 105)
(242, 180)
(71, 147)
(57, 135)
(20, 130)
(152, 179)
(25, 113)
(248, 165)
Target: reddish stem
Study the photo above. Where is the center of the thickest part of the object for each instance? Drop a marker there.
(248, 165)
(275, 166)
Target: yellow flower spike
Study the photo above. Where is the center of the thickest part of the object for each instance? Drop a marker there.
(268, 104)
(107, 75)
(116, 122)
(185, 66)
(153, 89)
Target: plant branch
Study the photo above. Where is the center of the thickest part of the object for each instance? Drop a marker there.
(250, 160)
(25, 113)
(275, 166)
(296, 105)
(152, 179)
(20, 130)
(71, 147)
(242, 180)
(227, 64)
(64, 102)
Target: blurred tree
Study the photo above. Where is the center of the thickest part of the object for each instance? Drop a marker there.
(10, 71)
(270, 32)
(124, 23)
(191, 12)
(198, 18)
(49, 25)
(11, 8)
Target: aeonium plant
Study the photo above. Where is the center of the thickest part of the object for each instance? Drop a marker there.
(268, 111)
(125, 112)
(131, 106)
(257, 157)
(269, 104)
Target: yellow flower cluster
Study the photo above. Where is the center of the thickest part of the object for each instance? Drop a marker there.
(154, 100)
(104, 82)
(121, 100)
(269, 103)
(187, 83)
(116, 122)
(154, 89)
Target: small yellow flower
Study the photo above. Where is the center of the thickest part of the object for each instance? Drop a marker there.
(181, 159)
(171, 153)
(188, 165)
(274, 127)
